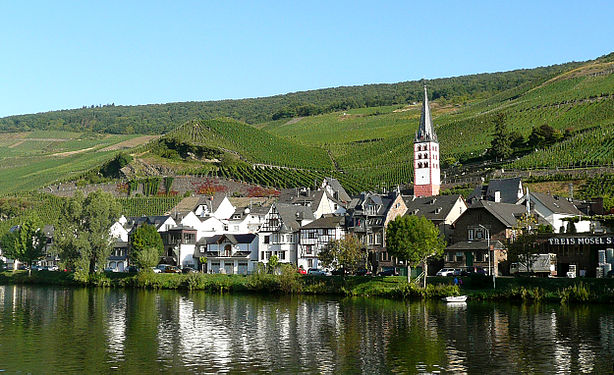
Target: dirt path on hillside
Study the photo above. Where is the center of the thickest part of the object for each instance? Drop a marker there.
(130, 143)
(68, 153)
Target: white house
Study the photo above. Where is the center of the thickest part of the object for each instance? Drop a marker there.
(554, 209)
(279, 234)
(314, 237)
(229, 253)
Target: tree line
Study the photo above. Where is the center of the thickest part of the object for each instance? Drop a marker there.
(161, 118)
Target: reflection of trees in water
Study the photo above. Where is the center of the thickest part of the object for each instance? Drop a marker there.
(159, 331)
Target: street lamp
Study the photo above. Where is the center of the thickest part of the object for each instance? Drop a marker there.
(490, 270)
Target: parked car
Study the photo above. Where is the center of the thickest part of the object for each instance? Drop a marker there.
(172, 269)
(53, 268)
(363, 272)
(156, 270)
(445, 272)
(460, 272)
(318, 272)
(476, 271)
(301, 270)
(188, 270)
(388, 272)
(109, 269)
(162, 267)
(132, 269)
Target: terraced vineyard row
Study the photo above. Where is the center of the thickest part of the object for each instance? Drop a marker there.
(253, 145)
(592, 148)
(600, 186)
(288, 178)
(139, 206)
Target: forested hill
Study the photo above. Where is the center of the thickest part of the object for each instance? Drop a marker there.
(161, 118)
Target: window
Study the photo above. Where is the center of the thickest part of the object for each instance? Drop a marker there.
(267, 239)
(384, 256)
(262, 255)
(459, 257)
(308, 249)
(226, 227)
(470, 234)
(450, 257)
(282, 255)
(478, 234)
(479, 256)
(227, 250)
(311, 234)
(310, 263)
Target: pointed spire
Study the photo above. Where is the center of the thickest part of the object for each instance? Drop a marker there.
(426, 132)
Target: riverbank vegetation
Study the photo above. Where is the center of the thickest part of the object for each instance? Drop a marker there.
(287, 281)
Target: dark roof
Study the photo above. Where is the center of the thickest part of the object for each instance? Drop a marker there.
(325, 222)
(181, 227)
(383, 201)
(291, 214)
(508, 188)
(433, 208)
(336, 186)
(232, 238)
(156, 221)
(556, 204)
(508, 214)
(474, 245)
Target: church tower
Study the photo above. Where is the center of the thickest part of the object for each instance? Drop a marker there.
(426, 155)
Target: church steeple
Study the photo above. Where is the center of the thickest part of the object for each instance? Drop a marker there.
(426, 131)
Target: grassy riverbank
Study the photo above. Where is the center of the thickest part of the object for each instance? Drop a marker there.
(476, 288)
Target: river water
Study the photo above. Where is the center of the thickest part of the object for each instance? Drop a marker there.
(66, 330)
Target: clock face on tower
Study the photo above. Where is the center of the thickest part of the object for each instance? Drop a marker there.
(426, 155)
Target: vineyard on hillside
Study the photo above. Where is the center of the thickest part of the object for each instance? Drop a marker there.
(254, 145)
(600, 186)
(288, 178)
(587, 149)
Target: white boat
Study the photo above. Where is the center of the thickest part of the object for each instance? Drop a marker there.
(454, 299)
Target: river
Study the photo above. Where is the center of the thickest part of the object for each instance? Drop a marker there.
(79, 330)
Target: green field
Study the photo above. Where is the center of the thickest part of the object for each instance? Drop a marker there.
(30, 160)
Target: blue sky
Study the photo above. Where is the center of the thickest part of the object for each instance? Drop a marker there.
(67, 54)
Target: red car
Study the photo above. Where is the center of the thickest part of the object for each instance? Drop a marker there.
(301, 271)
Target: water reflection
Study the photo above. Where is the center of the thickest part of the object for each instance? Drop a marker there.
(100, 331)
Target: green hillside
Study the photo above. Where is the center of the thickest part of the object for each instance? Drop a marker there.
(361, 135)
(29, 160)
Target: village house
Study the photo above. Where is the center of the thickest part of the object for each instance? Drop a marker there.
(441, 210)
(368, 216)
(230, 254)
(320, 201)
(279, 234)
(482, 234)
(554, 210)
(314, 237)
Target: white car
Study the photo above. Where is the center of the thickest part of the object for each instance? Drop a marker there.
(445, 272)
(156, 270)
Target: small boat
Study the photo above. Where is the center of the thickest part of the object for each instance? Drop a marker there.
(454, 299)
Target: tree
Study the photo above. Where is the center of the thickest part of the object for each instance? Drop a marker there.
(501, 144)
(146, 247)
(544, 135)
(25, 244)
(413, 239)
(346, 253)
(273, 262)
(524, 248)
(82, 238)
